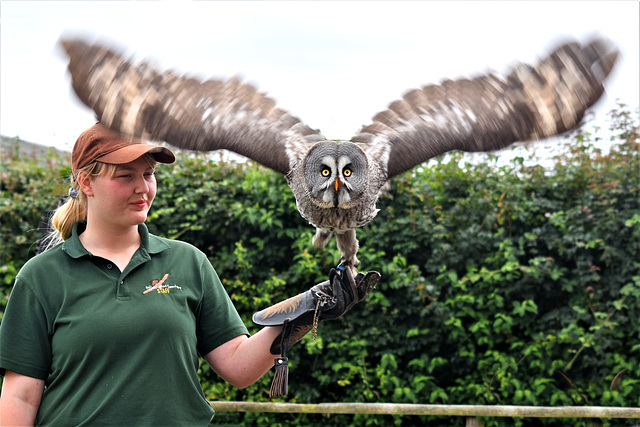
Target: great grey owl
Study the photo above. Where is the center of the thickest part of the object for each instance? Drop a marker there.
(336, 183)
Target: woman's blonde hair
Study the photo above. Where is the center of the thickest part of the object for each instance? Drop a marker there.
(75, 208)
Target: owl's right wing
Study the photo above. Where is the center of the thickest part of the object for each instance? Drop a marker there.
(136, 100)
(488, 112)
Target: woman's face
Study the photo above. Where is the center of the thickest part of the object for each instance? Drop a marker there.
(123, 198)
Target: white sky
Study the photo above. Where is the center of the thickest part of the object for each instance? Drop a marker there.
(334, 64)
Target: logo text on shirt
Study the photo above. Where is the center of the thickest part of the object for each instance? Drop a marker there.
(160, 286)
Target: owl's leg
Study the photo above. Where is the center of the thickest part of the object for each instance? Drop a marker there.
(321, 238)
(348, 247)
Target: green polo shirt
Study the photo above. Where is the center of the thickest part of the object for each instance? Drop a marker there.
(112, 347)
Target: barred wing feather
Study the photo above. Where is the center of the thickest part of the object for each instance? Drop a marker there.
(489, 112)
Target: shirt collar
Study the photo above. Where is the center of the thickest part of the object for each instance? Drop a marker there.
(73, 247)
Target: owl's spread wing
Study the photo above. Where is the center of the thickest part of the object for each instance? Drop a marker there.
(138, 101)
(488, 112)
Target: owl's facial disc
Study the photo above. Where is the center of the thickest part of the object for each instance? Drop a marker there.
(336, 174)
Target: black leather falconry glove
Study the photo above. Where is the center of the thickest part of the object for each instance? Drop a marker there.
(298, 315)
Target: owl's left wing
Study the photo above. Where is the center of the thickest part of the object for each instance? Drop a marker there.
(136, 100)
(488, 112)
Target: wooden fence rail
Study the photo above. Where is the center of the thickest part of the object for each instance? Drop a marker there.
(438, 410)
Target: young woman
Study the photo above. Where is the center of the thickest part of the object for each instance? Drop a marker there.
(107, 327)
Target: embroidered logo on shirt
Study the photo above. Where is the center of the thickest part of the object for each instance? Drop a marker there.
(160, 286)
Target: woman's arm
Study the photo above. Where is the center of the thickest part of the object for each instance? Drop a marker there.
(242, 360)
(20, 399)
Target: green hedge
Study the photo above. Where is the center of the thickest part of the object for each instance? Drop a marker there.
(503, 282)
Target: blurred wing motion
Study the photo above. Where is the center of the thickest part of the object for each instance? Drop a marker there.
(488, 112)
(136, 100)
(336, 183)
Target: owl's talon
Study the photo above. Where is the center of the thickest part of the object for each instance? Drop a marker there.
(352, 263)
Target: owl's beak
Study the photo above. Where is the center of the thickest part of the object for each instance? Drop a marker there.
(337, 184)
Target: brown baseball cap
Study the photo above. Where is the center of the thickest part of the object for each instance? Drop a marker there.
(104, 145)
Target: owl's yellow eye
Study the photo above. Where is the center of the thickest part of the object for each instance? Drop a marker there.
(346, 172)
(326, 172)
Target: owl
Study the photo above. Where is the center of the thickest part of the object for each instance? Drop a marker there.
(336, 182)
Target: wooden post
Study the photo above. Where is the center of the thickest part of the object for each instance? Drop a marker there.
(474, 422)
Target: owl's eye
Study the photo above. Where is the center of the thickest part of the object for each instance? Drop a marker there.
(326, 172)
(346, 172)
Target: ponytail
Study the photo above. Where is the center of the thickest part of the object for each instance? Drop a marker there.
(74, 209)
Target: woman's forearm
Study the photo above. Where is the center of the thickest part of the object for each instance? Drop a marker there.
(243, 360)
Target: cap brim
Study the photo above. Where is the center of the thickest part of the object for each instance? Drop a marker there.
(133, 152)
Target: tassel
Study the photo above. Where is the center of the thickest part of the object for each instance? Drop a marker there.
(279, 386)
(280, 383)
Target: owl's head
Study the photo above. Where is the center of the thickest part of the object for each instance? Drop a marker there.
(336, 174)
